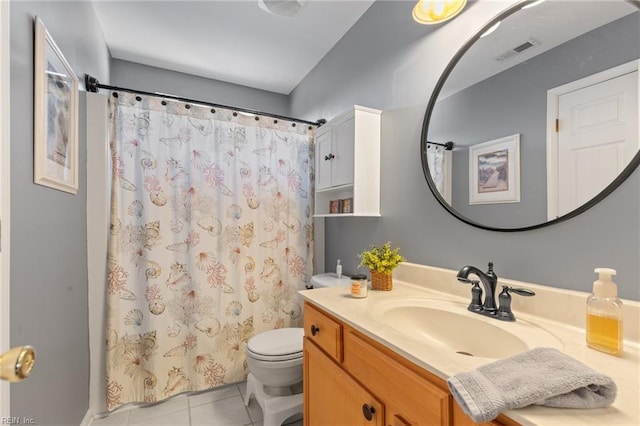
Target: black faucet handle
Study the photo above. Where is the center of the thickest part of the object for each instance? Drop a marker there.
(520, 291)
(476, 297)
(490, 267)
(504, 311)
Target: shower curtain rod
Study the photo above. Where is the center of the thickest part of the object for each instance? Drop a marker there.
(93, 85)
(448, 146)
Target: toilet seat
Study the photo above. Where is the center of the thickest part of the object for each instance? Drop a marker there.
(281, 344)
(281, 358)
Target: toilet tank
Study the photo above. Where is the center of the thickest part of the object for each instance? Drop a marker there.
(329, 279)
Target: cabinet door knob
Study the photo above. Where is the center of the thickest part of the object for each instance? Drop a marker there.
(314, 330)
(329, 157)
(368, 411)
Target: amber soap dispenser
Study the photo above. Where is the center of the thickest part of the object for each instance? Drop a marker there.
(604, 314)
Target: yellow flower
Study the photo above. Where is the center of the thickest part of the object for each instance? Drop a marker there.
(381, 259)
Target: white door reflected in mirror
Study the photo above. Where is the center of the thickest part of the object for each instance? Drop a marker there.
(597, 138)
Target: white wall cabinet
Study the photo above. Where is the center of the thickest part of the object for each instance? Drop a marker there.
(347, 161)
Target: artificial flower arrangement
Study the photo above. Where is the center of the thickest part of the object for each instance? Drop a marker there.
(381, 261)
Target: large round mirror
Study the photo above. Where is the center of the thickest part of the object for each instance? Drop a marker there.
(535, 119)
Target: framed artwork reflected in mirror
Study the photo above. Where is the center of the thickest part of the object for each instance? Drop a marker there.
(494, 171)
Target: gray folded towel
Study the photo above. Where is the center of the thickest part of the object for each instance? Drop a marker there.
(540, 376)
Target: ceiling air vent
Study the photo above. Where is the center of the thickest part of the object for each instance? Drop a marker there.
(517, 50)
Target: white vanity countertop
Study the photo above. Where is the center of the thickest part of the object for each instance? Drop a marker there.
(436, 283)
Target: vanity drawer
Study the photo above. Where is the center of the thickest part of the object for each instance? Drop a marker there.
(410, 398)
(324, 331)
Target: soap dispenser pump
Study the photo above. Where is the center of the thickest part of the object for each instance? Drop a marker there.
(604, 314)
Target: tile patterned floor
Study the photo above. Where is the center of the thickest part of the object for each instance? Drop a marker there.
(219, 407)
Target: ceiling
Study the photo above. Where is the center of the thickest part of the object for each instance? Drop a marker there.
(547, 25)
(234, 40)
(238, 42)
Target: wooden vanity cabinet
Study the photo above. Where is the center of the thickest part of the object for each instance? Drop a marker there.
(410, 397)
(333, 397)
(350, 378)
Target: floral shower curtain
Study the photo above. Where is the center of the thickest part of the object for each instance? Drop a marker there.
(210, 240)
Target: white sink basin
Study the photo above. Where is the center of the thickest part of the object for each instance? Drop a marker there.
(449, 325)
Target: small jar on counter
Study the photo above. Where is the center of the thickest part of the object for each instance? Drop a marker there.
(359, 286)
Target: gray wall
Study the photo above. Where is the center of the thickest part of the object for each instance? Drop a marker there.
(151, 79)
(48, 227)
(387, 61)
(518, 104)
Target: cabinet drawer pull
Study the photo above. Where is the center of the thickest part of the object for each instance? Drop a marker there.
(329, 157)
(368, 411)
(314, 330)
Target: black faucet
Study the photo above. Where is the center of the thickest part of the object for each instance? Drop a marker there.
(489, 281)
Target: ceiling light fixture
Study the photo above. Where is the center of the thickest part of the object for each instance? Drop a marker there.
(286, 8)
(435, 11)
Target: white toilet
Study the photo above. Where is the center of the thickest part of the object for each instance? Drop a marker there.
(274, 359)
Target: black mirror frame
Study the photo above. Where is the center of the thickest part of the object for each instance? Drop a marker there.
(633, 164)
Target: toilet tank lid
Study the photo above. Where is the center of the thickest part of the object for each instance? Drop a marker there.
(329, 279)
(281, 341)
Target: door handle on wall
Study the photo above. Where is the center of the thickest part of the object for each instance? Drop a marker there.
(16, 364)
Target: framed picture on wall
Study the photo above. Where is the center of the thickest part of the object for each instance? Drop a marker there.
(55, 116)
(494, 171)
